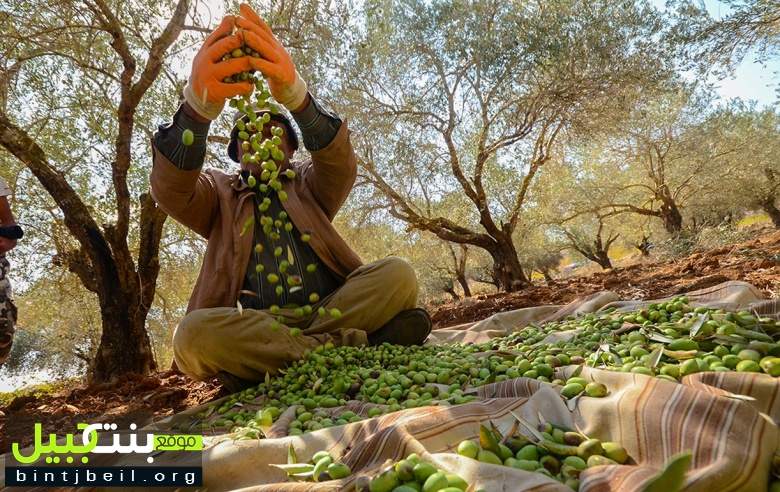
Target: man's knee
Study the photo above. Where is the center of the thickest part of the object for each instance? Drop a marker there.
(189, 330)
(398, 273)
(189, 339)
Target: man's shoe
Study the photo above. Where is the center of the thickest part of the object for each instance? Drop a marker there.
(410, 327)
(232, 383)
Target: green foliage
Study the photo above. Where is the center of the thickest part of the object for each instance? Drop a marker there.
(35, 391)
(720, 44)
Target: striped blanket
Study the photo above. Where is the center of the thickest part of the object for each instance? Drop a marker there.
(729, 421)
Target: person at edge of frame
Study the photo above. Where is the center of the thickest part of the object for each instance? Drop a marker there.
(7, 307)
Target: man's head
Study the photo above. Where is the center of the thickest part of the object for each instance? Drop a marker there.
(289, 140)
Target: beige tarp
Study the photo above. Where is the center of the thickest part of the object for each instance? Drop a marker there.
(733, 438)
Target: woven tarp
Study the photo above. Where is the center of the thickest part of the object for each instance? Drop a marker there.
(733, 438)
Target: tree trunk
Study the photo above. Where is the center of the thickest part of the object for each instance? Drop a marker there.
(768, 206)
(644, 246)
(671, 216)
(124, 344)
(451, 291)
(602, 258)
(464, 284)
(507, 269)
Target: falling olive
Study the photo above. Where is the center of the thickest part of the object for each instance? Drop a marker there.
(187, 137)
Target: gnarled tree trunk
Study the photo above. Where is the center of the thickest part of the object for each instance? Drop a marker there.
(102, 258)
(768, 206)
(507, 269)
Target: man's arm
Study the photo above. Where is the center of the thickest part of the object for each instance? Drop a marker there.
(334, 165)
(177, 184)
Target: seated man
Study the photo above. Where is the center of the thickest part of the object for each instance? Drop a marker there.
(232, 328)
(7, 242)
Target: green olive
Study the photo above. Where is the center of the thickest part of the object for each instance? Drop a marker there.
(468, 448)
(187, 137)
(571, 390)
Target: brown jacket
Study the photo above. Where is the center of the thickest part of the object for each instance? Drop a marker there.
(216, 206)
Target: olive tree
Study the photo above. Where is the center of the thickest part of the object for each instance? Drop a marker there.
(76, 76)
(751, 174)
(588, 240)
(472, 98)
(666, 154)
(749, 26)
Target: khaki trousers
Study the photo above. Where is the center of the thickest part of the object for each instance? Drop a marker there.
(243, 344)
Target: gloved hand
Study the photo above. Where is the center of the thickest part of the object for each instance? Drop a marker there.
(284, 82)
(205, 92)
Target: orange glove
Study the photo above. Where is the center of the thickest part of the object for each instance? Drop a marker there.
(284, 82)
(205, 92)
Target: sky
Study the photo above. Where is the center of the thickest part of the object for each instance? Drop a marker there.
(751, 80)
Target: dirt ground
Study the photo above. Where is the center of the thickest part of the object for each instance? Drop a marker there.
(756, 261)
(135, 399)
(144, 399)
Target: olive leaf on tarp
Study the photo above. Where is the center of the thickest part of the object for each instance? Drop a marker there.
(658, 337)
(528, 426)
(696, 327)
(655, 357)
(292, 456)
(672, 477)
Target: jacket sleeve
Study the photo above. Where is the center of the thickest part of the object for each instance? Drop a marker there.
(332, 173)
(187, 195)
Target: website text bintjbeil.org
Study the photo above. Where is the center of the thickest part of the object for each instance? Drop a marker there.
(103, 476)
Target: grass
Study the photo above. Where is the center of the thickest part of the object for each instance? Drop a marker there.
(759, 218)
(35, 390)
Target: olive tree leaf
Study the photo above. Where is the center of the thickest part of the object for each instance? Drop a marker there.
(571, 403)
(655, 357)
(657, 337)
(290, 256)
(294, 468)
(292, 456)
(696, 327)
(488, 440)
(317, 385)
(681, 354)
(672, 477)
(736, 396)
(528, 426)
